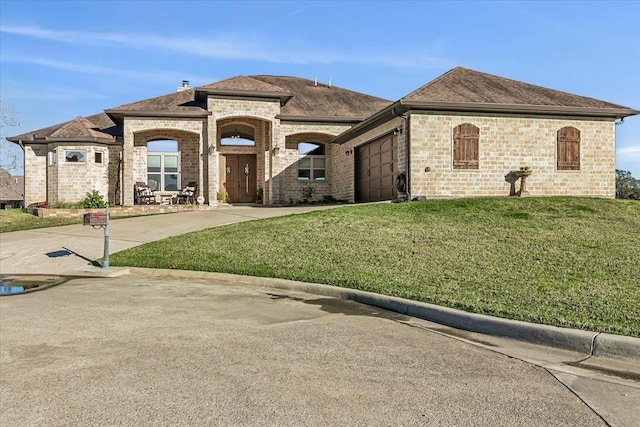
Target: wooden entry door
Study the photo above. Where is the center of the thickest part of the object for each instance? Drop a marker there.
(239, 178)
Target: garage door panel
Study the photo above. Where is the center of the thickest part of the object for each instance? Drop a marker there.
(376, 169)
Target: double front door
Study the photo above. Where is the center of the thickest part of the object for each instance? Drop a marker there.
(238, 176)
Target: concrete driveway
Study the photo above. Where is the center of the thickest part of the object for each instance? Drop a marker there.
(139, 350)
(56, 250)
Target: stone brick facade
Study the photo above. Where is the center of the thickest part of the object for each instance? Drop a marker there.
(138, 131)
(35, 172)
(508, 140)
(506, 144)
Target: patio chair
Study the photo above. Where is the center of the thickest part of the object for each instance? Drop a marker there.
(188, 193)
(144, 195)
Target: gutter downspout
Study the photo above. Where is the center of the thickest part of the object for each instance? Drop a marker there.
(407, 135)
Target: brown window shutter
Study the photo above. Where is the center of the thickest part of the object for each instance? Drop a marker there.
(466, 139)
(569, 148)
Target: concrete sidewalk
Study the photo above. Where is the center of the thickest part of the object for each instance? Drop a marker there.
(57, 250)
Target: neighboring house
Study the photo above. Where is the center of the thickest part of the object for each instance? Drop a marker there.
(459, 135)
(11, 190)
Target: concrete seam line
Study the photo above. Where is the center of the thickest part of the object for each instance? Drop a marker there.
(571, 339)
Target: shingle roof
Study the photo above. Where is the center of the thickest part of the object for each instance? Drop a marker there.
(243, 83)
(182, 101)
(79, 128)
(468, 86)
(12, 187)
(98, 126)
(323, 101)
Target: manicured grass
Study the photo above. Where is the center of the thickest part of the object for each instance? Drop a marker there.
(16, 220)
(571, 262)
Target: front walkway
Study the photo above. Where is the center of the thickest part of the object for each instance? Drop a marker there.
(57, 250)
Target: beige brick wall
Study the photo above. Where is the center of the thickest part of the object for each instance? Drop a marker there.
(70, 182)
(286, 186)
(137, 131)
(258, 113)
(35, 172)
(506, 144)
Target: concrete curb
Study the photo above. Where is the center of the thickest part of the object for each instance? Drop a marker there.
(588, 343)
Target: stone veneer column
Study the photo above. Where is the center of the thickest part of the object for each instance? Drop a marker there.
(127, 167)
(212, 162)
(35, 169)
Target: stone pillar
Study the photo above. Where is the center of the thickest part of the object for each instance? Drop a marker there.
(127, 167)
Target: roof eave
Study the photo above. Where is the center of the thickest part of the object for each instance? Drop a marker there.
(614, 113)
(47, 140)
(323, 119)
(284, 97)
(199, 113)
(394, 110)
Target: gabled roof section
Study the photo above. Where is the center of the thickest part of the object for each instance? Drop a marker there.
(179, 104)
(243, 86)
(468, 91)
(79, 128)
(469, 88)
(96, 128)
(320, 102)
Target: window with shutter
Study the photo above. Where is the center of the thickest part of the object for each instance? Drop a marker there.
(466, 139)
(568, 148)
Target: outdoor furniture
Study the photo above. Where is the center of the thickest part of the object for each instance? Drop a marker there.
(188, 193)
(144, 195)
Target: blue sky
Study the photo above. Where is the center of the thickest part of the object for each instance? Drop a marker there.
(60, 60)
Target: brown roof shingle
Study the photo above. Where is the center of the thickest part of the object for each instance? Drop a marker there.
(461, 85)
(179, 101)
(322, 100)
(243, 83)
(97, 126)
(79, 128)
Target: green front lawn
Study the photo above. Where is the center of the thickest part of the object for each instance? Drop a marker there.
(16, 220)
(571, 262)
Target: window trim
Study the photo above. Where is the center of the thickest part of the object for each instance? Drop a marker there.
(458, 137)
(162, 173)
(312, 159)
(84, 156)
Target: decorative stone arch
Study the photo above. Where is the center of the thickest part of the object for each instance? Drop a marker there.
(188, 147)
(262, 130)
(292, 140)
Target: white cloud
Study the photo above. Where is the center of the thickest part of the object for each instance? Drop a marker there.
(158, 76)
(239, 46)
(629, 150)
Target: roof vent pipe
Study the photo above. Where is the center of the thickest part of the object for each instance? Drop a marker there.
(329, 81)
(185, 86)
(316, 82)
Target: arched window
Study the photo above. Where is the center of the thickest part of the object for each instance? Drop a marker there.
(466, 138)
(163, 165)
(311, 162)
(569, 148)
(237, 134)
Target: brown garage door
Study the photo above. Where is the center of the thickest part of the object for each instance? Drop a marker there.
(376, 170)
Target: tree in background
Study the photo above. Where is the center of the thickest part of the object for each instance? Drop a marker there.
(9, 157)
(627, 187)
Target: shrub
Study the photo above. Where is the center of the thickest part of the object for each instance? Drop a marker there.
(93, 200)
(308, 192)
